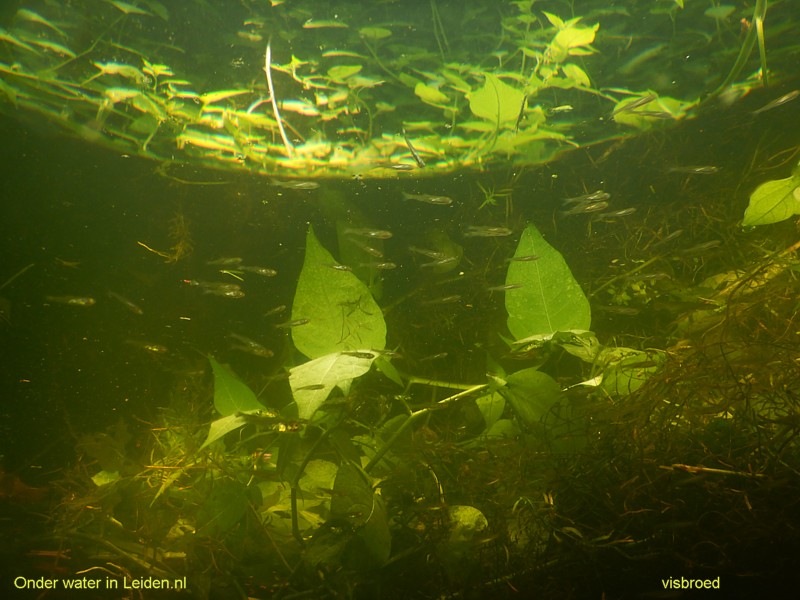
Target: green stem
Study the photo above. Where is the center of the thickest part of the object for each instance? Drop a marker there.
(416, 416)
(759, 12)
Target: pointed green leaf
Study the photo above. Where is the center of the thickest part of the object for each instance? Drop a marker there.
(550, 299)
(430, 94)
(496, 101)
(312, 382)
(223, 426)
(230, 394)
(532, 394)
(341, 312)
(341, 72)
(773, 201)
(576, 74)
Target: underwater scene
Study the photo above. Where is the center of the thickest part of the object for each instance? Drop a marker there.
(425, 299)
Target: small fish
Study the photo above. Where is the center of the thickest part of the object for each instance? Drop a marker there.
(225, 261)
(597, 196)
(368, 249)
(505, 288)
(429, 199)
(295, 184)
(653, 114)
(414, 154)
(338, 267)
(692, 170)
(778, 102)
(439, 356)
(216, 286)
(378, 234)
(429, 253)
(135, 309)
(700, 248)
(521, 112)
(393, 166)
(669, 238)
(647, 276)
(250, 346)
(263, 271)
(312, 387)
(380, 266)
(582, 209)
(624, 212)
(357, 354)
(442, 300)
(443, 262)
(277, 310)
(528, 258)
(225, 293)
(295, 323)
(486, 231)
(148, 346)
(618, 310)
(633, 105)
(71, 300)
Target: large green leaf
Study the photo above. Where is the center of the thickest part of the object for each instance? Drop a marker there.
(312, 382)
(230, 394)
(341, 312)
(355, 501)
(773, 201)
(532, 394)
(550, 299)
(496, 101)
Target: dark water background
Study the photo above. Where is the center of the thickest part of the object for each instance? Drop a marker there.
(67, 370)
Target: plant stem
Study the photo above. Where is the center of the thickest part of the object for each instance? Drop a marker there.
(414, 417)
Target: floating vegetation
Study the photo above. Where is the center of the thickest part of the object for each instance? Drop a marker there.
(392, 94)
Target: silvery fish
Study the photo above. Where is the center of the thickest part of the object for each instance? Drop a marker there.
(378, 234)
(692, 170)
(71, 300)
(295, 184)
(486, 231)
(584, 208)
(429, 199)
(778, 102)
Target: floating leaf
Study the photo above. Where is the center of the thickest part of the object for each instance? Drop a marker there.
(312, 382)
(374, 33)
(576, 74)
(568, 41)
(550, 299)
(127, 8)
(773, 201)
(341, 311)
(212, 97)
(230, 394)
(496, 101)
(341, 72)
(430, 94)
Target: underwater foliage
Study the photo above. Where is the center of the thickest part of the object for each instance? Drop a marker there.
(246, 86)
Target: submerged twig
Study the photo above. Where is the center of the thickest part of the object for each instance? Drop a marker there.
(268, 69)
